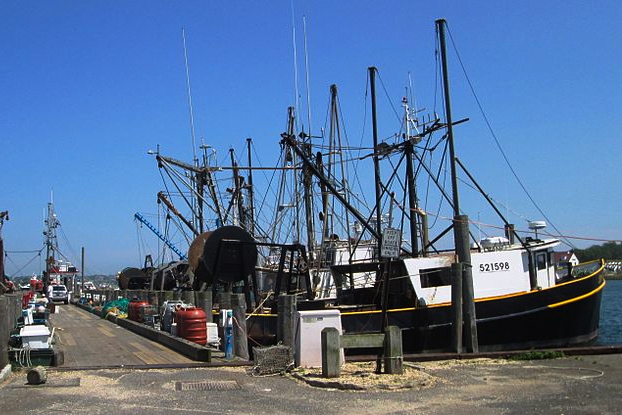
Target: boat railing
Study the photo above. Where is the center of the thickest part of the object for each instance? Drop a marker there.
(587, 268)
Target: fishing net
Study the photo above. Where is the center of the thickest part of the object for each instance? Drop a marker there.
(117, 307)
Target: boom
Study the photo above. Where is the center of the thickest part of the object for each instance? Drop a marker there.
(159, 235)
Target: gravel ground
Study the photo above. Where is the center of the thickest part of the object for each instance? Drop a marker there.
(576, 385)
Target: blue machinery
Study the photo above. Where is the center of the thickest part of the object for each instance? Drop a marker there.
(159, 235)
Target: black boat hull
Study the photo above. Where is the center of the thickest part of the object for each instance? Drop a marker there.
(561, 316)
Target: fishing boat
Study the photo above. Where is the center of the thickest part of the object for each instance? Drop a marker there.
(58, 269)
(497, 293)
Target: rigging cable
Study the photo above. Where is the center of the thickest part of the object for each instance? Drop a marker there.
(507, 161)
(388, 98)
(25, 265)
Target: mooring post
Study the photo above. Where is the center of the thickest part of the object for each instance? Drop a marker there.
(331, 353)
(456, 307)
(286, 319)
(240, 338)
(393, 355)
(204, 301)
(468, 304)
(187, 297)
(224, 300)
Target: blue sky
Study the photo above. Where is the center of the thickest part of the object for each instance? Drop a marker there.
(89, 86)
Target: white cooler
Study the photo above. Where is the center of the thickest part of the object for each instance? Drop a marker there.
(35, 337)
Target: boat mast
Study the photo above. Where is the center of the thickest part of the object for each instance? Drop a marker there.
(461, 222)
(409, 150)
(372, 84)
(251, 190)
(237, 198)
(440, 23)
(308, 199)
(51, 243)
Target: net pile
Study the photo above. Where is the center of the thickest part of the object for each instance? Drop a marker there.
(118, 307)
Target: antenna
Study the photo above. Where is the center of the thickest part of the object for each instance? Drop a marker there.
(194, 152)
(304, 26)
(296, 92)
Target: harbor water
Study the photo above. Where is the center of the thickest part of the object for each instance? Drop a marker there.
(611, 314)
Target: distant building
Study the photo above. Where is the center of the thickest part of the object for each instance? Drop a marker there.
(563, 261)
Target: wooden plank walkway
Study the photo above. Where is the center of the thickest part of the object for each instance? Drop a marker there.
(88, 341)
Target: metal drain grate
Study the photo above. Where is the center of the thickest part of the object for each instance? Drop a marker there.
(222, 385)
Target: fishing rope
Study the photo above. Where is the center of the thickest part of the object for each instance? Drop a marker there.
(268, 294)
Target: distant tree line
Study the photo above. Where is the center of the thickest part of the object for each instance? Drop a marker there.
(607, 251)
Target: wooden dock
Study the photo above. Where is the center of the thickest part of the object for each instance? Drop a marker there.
(90, 341)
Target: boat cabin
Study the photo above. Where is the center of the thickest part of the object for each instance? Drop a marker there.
(498, 269)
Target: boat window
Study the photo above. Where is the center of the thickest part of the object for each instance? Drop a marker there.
(435, 277)
(329, 256)
(541, 260)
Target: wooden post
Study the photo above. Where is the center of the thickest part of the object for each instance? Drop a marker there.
(188, 297)
(204, 301)
(240, 338)
(331, 353)
(393, 355)
(224, 300)
(456, 307)
(468, 304)
(82, 273)
(286, 319)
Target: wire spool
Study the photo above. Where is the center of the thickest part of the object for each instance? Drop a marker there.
(195, 255)
(227, 254)
(132, 278)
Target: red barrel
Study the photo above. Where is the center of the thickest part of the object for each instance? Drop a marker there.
(192, 324)
(133, 310)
